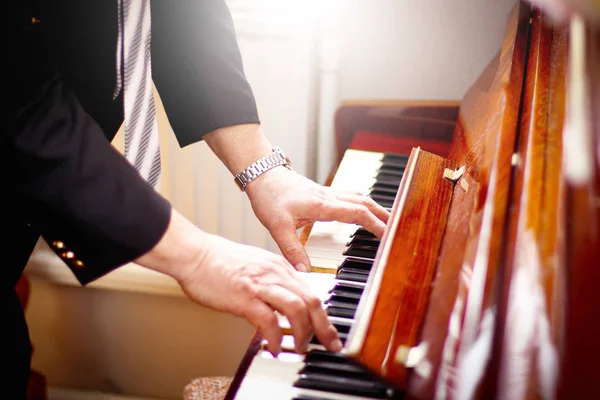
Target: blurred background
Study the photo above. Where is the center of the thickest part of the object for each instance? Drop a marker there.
(302, 58)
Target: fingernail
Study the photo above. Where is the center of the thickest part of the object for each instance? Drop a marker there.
(336, 345)
(275, 352)
(301, 267)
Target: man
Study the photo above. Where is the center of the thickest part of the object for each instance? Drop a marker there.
(66, 183)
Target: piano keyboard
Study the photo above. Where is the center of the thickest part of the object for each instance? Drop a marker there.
(376, 174)
(341, 256)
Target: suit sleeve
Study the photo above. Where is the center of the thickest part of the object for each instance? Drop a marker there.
(66, 179)
(197, 68)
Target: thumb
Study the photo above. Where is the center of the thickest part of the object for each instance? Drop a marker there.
(288, 242)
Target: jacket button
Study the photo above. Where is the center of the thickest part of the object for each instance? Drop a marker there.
(78, 264)
(58, 244)
(68, 254)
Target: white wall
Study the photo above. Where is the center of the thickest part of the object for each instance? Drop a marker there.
(418, 49)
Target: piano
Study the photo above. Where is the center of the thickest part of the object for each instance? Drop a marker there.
(484, 283)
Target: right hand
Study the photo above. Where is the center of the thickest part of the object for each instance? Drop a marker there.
(252, 283)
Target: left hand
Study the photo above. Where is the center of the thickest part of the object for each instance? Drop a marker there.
(285, 201)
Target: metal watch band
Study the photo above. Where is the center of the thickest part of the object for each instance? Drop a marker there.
(274, 159)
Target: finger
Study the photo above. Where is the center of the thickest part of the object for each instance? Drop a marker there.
(291, 248)
(379, 211)
(294, 308)
(322, 327)
(264, 318)
(343, 211)
(356, 192)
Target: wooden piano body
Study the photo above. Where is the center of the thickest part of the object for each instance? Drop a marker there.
(483, 285)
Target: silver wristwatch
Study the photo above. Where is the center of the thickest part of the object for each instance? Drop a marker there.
(274, 159)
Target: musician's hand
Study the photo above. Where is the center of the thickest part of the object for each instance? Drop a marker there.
(252, 283)
(562, 10)
(285, 201)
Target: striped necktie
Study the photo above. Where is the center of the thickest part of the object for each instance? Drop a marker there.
(134, 77)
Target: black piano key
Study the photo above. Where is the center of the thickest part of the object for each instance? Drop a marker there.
(341, 299)
(364, 241)
(348, 276)
(394, 185)
(334, 368)
(386, 173)
(309, 397)
(384, 196)
(341, 303)
(328, 356)
(340, 312)
(339, 364)
(362, 232)
(391, 182)
(346, 291)
(357, 263)
(350, 270)
(397, 168)
(392, 169)
(383, 190)
(395, 157)
(382, 199)
(361, 251)
(325, 355)
(302, 396)
(340, 294)
(387, 176)
(390, 187)
(345, 385)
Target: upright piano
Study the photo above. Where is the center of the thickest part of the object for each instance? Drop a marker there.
(484, 283)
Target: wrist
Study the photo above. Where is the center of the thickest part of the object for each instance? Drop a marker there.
(269, 182)
(180, 250)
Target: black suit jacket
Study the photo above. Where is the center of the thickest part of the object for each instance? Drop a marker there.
(63, 179)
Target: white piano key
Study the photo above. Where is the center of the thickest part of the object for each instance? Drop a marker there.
(356, 171)
(270, 378)
(331, 253)
(319, 283)
(325, 263)
(289, 344)
(328, 242)
(333, 228)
